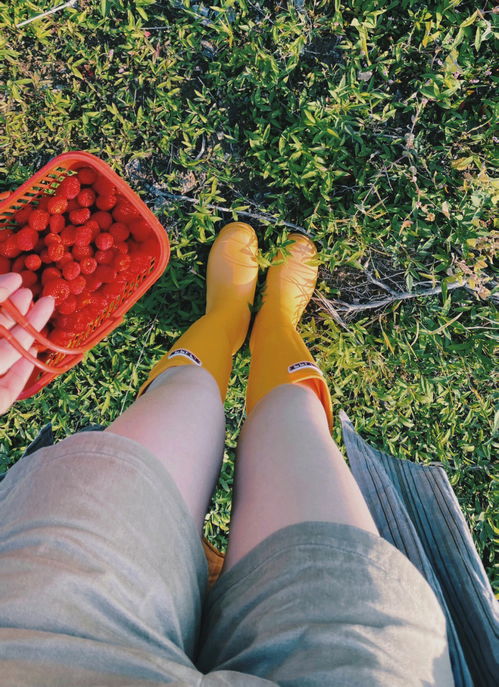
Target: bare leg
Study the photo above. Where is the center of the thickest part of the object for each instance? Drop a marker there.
(289, 470)
(180, 419)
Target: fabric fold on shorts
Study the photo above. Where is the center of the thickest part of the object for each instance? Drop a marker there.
(101, 564)
(321, 603)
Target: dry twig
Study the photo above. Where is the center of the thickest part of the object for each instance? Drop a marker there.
(71, 3)
(332, 306)
(335, 307)
(349, 308)
(263, 217)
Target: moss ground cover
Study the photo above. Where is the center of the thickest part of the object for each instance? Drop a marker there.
(368, 124)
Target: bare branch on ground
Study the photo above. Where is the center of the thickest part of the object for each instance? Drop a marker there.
(336, 308)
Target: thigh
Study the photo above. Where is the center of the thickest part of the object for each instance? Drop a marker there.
(101, 568)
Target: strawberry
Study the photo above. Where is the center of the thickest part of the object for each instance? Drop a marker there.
(98, 300)
(104, 241)
(122, 262)
(67, 306)
(68, 236)
(93, 226)
(83, 320)
(86, 198)
(58, 288)
(55, 250)
(66, 258)
(103, 219)
(93, 283)
(29, 278)
(4, 265)
(38, 219)
(104, 257)
(43, 202)
(125, 211)
(83, 299)
(104, 187)
(84, 236)
(122, 247)
(78, 285)
(4, 234)
(106, 201)
(52, 238)
(105, 273)
(33, 261)
(98, 303)
(57, 205)
(50, 273)
(60, 337)
(119, 232)
(79, 216)
(80, 252)
(71, 270)
(63, 322)
(126, 277)
(69, 188)
(140, 230)
(88, 265)
(9, 248)
(18, 264)
(26, 238)
(139, 263)
(45, 257)
(56, 223)
(73, 205)
(112, 291)
(86, 175)
(21, 216)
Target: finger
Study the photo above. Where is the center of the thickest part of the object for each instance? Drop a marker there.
(21, 299)
(14, 382)
(38, 317)
(9, 283)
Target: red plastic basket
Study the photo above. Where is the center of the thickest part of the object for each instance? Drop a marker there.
(58, 359)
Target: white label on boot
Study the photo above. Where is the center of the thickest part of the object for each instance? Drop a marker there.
(186, 354)
(305, 363)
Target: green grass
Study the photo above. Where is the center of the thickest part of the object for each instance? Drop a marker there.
(368, 123)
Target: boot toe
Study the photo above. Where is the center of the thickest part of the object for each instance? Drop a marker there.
(303, 247)
(239, 230)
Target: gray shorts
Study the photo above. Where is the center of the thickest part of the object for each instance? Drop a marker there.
(103, 582)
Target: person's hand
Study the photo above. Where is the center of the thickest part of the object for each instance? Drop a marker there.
(14, 369)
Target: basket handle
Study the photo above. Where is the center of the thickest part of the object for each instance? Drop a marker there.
(52, 369)
(21, 320)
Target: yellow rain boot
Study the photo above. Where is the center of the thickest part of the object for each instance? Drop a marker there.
(230, 288)
(278, 353)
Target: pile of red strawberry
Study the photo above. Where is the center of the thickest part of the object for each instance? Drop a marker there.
(82, 246)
